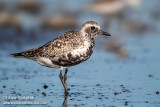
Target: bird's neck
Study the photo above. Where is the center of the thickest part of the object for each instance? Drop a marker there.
(89, 38)
(91, 41)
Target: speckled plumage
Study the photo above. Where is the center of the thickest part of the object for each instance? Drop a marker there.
(67, 50)
(61, 50)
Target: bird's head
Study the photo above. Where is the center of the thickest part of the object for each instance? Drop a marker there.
(92, 29)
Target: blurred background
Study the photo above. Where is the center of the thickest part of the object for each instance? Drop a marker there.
(124, 69)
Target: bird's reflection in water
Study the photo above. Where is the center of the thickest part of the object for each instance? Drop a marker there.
(64, 104)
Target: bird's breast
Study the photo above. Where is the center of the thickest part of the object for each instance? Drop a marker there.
(77, 56)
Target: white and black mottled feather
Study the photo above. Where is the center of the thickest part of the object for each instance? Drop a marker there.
(67, 50)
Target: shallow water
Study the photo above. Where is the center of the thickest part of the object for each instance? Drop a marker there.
(102, 81)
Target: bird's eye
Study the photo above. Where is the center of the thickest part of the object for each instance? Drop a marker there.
(92, 28)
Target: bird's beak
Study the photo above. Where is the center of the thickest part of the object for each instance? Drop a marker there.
(104, 33)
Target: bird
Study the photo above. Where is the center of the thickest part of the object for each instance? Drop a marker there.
(69, 49)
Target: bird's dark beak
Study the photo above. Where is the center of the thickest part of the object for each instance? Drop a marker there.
(104, 33)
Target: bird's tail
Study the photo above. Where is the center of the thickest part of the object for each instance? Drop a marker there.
(18, 55)
(25, 54)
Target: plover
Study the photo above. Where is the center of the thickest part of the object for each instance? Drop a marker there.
(64, 20)
(7, 19)
(106, 7)
(110, 7)
(113, 9)
(116, 46)
(67, 50)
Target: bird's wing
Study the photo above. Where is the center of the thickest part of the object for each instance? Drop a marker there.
(55, 48)
(60, 46)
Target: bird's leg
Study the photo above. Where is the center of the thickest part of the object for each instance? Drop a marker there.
(61, 78)
(65, 101)
(65, 76)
